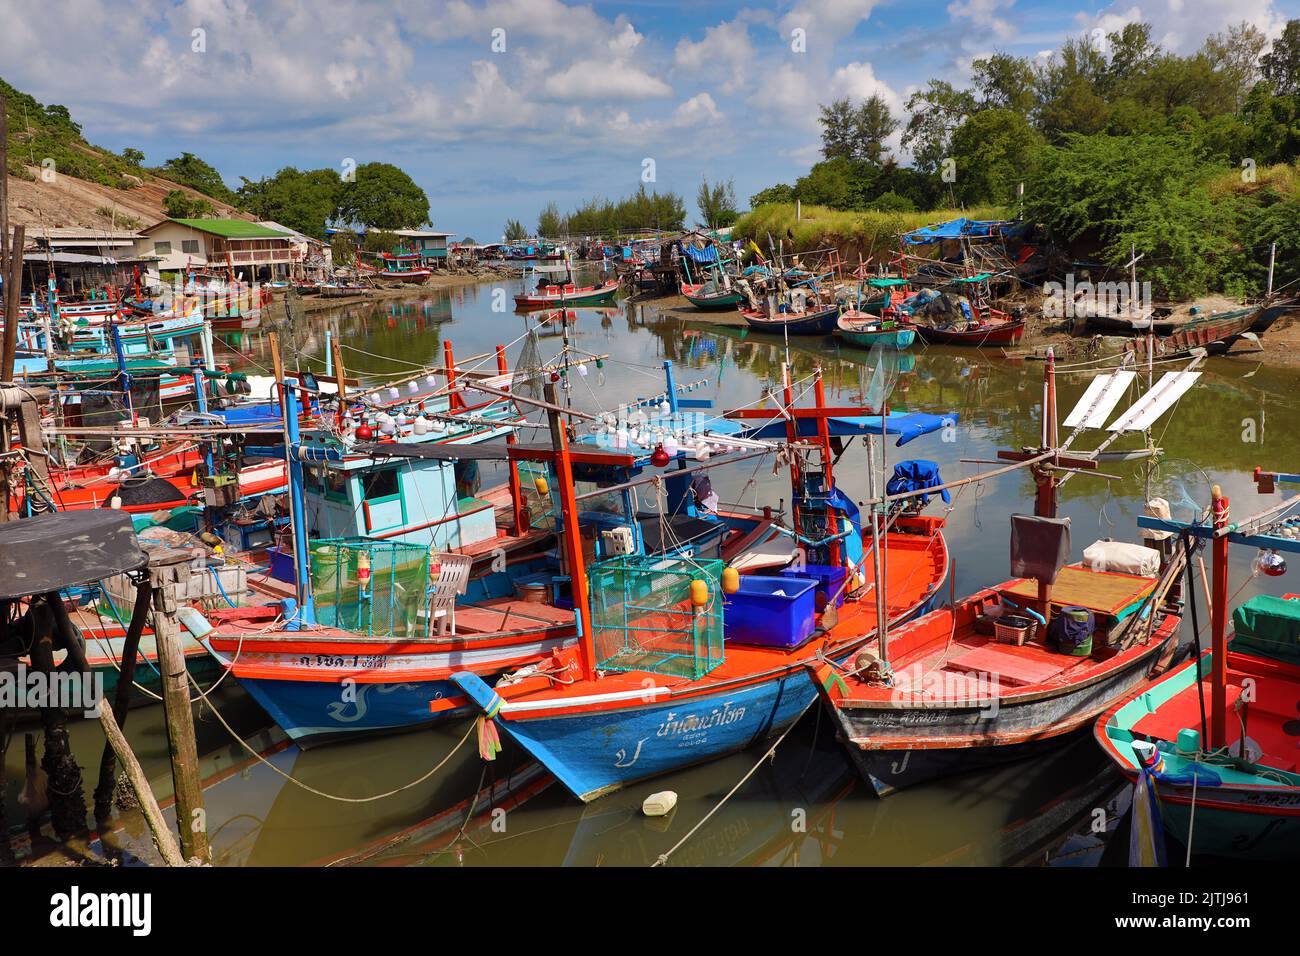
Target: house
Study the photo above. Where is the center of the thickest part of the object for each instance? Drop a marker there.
(312, 257)
(431, 246)
(83, 261)
(251, 250)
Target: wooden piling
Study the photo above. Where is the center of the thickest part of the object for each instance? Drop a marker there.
(165, 570)
(121, 701)
(63, 775)
(162, 835)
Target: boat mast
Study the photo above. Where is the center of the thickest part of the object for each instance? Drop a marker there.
(571, 535)
(1219, 620)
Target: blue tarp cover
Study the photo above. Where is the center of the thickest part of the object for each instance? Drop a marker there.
(907, 425)
(954, 229)
(707, 254)
(913, 476)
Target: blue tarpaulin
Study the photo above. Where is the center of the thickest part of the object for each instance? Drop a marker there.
(954, 229)
(915, 475)
(707, 254)
(907, 425)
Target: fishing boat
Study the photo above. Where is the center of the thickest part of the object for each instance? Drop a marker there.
(814, 319)
(651, 687)
(988, 328)
(547, 294)
(1014, 668)
(866, 331)
(403, 573)
(709, 297)
(408, 267)
(1215, 332)
(1213, 742)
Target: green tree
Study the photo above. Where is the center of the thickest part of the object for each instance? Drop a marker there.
(859, 132)
(178, 204)
(1281, 65)
(133, 157)
(935, 112)
(778, 193)
(515, 231)
(717, 203)
(550, 223)
(836, 121)
(1005, 82)
(382, 196)
(381, 240)
(302, 200)
(995, 150)
(343, 247)
(188, 170)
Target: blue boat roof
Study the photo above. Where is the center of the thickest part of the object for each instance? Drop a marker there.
(907, 425)
(955, 229)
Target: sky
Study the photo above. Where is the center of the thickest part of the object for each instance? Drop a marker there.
(497, 107)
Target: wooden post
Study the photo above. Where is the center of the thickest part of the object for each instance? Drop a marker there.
(121, 701)
(13, 289)
(340, 376)
(516, 488)
(67, 799)
(162, 835)
(572, 535)
(191, 818)
(1219, 624)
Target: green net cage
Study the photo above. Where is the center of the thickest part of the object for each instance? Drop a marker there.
(370, 586)
(643, 618)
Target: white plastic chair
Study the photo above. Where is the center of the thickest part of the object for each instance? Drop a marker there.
(452, 580)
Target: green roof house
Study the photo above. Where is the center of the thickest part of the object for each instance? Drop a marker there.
(254, 251)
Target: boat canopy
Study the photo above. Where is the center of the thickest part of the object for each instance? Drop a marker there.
(887, 282)
(906, 425)
(708, 254)
(955, 229)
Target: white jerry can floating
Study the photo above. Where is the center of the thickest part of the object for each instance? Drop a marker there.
(659, 804)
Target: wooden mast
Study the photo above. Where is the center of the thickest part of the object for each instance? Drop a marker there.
(1219, 621)
(571, 536)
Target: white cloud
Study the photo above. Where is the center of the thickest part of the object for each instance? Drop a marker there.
(610, 79)
(984, 16)
(725, 52)
(1181, 26)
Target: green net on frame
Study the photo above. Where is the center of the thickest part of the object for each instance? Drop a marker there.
(643, 618)
(392, 602)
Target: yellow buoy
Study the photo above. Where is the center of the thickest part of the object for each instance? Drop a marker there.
(730, 580)
(699, 592)
(543, 486)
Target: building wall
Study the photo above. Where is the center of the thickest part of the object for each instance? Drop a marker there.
(176, 235)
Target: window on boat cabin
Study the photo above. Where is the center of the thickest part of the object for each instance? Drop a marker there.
(380, 484)
(190, 245)
(162, 248)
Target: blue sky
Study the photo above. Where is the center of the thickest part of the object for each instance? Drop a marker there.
(563, 102)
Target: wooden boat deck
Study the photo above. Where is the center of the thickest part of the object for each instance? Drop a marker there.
(508, 614)
(1102, 592)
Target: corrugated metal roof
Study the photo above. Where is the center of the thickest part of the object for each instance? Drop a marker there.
(227, 228)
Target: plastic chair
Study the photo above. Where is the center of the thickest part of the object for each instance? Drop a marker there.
(450, 579)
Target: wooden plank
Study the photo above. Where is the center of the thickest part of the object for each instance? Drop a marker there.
(1107, 592)
(1022, 664)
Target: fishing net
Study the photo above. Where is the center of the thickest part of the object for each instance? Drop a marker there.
(527, 380)
(643, 618)
(371, 587)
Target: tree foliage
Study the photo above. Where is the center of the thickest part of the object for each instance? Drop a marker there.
(717, 203)
(189, 170)
(382, 196)
(178, 204)
(302, 200)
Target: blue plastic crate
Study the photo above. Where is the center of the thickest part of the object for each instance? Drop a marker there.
(829, 578)
(756, 614)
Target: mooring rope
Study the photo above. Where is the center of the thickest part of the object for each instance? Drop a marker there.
(663, 857)
(330, 796)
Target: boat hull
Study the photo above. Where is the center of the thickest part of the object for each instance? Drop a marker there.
(1006, 333)
(720, 302)
(898, 743)
(595, 296)
(893, 338)
(596, 753)
(821, 322)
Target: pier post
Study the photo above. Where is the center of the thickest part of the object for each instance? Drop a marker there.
(164, 573)
(67, 799)
(121, 700)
